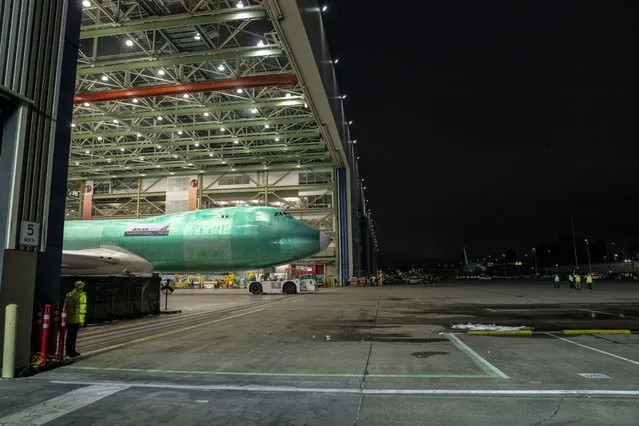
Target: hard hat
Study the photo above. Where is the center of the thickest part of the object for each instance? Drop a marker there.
(79, 285)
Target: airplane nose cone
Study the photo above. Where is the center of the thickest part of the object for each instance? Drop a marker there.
(325, 240)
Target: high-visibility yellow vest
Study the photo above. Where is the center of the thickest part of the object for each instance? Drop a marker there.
(76, 302)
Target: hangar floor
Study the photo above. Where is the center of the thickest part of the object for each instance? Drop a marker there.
(349, 356)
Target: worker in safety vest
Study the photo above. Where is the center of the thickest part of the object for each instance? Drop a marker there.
(76, 302)
(578, 281)
(556, 280)
(571, 278)
(589, 281)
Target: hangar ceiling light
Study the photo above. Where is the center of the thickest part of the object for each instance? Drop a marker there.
(233, 59)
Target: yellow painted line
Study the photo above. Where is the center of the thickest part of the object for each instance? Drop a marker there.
(500, 333)
(595, 331)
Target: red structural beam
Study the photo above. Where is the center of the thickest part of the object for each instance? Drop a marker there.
(200, 86)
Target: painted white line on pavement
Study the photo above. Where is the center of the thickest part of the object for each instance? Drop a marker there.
(479, 360)
(168, 333)
(59, 406)
(355, 391)
(595, 349)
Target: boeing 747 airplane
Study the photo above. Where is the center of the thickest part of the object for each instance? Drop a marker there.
(210, 240)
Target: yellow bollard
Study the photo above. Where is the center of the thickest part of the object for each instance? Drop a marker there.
(9, 350)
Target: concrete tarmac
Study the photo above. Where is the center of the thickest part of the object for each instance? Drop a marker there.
(343, 356)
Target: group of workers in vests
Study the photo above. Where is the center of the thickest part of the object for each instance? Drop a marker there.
(575, 280)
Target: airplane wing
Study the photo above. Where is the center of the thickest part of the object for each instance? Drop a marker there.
(106, 260)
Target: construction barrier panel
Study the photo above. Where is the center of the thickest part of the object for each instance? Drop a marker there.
(112, 298)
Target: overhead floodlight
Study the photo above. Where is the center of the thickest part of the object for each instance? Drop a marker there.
(129, 42)
(99, 138)
(260, 43)
(222, 129)
(239, 91)
(336, 61)
(358, 159)
(277, 139)
(160, 118)
(239, 5)
(86, 104)
(87, 152)
(211, 155)
(232, 169)
(141, 158)
(139, 135)
(72, 124)
(122, 149)
(206, 114)
(254, 110)
(324, 8)
(86, 3)
(299, 165)
(185, 96)
(159, 147)
(220, 67)
(197, 37)
(223, 162)
(354, 140)
(196, 144)
(77, 163)
(288, 95)
(266, 126)
(104, 78)
(343, 96)
(350, 122)
(115, 121)
(135, 100)
(180, 132)
(236, 142)
(161, 72)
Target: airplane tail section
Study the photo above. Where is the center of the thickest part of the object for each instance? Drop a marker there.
(465, 256)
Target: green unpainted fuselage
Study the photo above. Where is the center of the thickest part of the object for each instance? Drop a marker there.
(235, 238)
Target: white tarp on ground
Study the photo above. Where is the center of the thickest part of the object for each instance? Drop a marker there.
(489, 327)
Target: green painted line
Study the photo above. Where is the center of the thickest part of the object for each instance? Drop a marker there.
(597, 331)
(431, 376)
(486, 366)
(274, 374)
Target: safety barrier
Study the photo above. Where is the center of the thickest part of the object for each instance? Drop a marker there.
(44, 337)
(62, 333)
(51, 335)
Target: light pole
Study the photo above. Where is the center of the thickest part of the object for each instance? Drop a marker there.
(588, 251)
(535, 253)
(504, 256)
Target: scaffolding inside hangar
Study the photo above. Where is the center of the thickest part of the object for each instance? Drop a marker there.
(239, 97)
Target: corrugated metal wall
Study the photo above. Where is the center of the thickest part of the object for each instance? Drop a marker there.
(30, 52)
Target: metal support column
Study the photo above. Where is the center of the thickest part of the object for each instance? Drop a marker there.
(32, 42)
(137, 201)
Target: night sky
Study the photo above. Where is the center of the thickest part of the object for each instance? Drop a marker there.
(489, 123)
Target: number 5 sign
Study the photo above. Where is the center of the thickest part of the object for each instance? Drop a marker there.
(30, 234)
